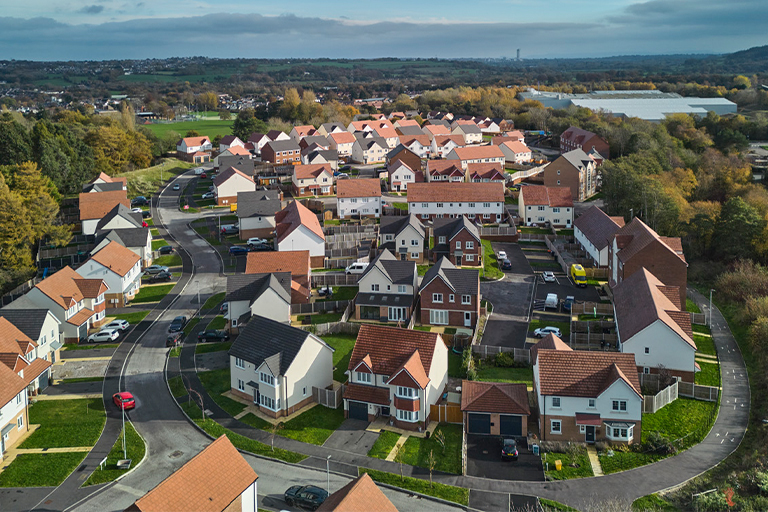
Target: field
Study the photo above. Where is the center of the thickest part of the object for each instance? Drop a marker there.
(209, 127)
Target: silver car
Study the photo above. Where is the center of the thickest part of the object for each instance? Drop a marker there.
(104, 335)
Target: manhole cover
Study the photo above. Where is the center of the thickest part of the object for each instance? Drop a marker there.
(176, 454)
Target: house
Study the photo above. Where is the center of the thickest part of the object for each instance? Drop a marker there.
(410, 130)
(400, 175)
(327, 129)
(288, 362)
(457, 239)
(229, 183)
(445, 170)
(295, 262)
(314, 155)
(433, 130)
(309, 140)
(495, 408)
(342, 142)
(483, 173)
(19, 353)
(194, 149)
(404, 123)
(267, 295)
(281, 152)
(256, 213)
(450, 295)
(387, 289)
(388, 134)
(371, 150)
(469, 130)
(551, 206)
(242, 163)
(396, 374)
(138, 240)
(636, 246)
(299, 132)
(516, 152)
(368, 126)
(230, 141)
(120, 217)
(218, 479)
(14, 420)
(515, 135)
(575, 170)
(234, 151)
(105, 183)
(277, 135)
(480, 202)
(594, 231)
(477, 154)
(95, 205)
(312, 180)
(361, 493)
(442, 145)
(39, 325)
(403, 236)
(587, 396)
(258, 140)
(576, 138)
(360, 196)
(298, 229)
(436, 115)
(653, 324)
(120, 268)
(405, 155)
(77, 303)
(489, 126)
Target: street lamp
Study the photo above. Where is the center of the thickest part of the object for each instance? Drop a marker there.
(710, 307)
(328, 474)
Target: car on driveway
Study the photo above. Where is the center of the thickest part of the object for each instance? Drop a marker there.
(204, 175)
(260, 247)
(155, 269)
(145, 214)
(502, 255)
(199, 170)
(103, 335)
(255, 241)
(306, 496)
(506, 264)
(120, 325)
(213, 335)
(237, 249)
(136, 210)
(229, 229)
(177, 324)
(166, 249)
(124, 400)
(543, 331)
(325, 291)
(173, 339)
(549, 277)
(139, 201)
(164, 275)
(508, 449)
(224, 307)
(208, 195)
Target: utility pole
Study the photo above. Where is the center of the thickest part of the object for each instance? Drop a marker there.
(710, 308)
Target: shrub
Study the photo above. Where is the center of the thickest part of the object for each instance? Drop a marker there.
(754, 308)
(746, 279)
(658, 443)
(761, 479)
(506, 360)
(758, 334)
(712, 502)
(468, 365)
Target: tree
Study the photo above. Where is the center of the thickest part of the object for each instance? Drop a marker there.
(273, 430)
(440, 438)
(741, 82)
(400, 458)
(192, 133)
(737, 230)
(225, 115)
(291, 101)
(246, 123)
(431, 463)
(14, 142)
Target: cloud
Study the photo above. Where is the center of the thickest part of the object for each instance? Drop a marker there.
(91, 9)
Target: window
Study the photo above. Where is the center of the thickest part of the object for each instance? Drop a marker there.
(582, 429)
(591, 403)
(404, 392)
(374, 287)
(466, 299)
(268, 402)
(414, 243)
(619, 405)
(458, 244)
(19, 397)
(363, 377)
(414, 255)
(240, 385)
(647, 350)
(389, 287)
(486, 215)
(558, 182)
(441, 239)
(541, 208)
(486, 205)
(646, 370)
(469, 245)
(304, 391)
(439, 205)
(555, 210)
(556, 427)
(267, 378)
(20, 422)
(424, 205)
(556, 402)
(401, 288)
(437, 297)
(239, 363)
(438, 317)
(469, 257)
(388, 238)
(471, 205)
(558, 173)
(450, 298)
(411, 416)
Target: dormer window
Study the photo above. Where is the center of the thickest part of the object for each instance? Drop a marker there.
(363, 377)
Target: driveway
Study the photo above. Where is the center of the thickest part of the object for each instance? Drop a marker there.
(351, 436)
(511, 298)
(484, 461)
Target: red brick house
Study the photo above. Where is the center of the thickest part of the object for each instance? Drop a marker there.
(576, 138)
(405, 155)
(450, 295)
(458, 240)
(281, 152)
(295, 262)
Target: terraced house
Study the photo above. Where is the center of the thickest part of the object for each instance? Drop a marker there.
(312, 180)
(482, 203)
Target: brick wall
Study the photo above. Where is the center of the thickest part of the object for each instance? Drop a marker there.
(662, 263)
(456, 315)
(568, 177)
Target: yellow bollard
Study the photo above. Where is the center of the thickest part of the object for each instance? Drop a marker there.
(558, 465)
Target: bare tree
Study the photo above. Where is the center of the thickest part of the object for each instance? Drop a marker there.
(431, 463)
(277, 427)
(399, 456)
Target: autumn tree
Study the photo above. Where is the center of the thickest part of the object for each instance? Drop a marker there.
(738, 228)
(246, 123)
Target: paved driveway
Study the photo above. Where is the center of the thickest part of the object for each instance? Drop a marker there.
(351, 436)
(484, 461)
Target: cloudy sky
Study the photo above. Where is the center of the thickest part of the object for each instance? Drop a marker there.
(94, 30)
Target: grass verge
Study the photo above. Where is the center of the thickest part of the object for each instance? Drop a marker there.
(207, 348)
(73, 380)
(156, 244)
(152, 293)
(132, 318)
(709, 374)
(176, 384)
(217, 323)
(134, 448)
(383, 444)
(65, 423)
(89, 346)
(652, 503)
(575, 464)
(214, 300)
(555, 506)
(217, 382)
(458, 495)
(256, 422)
(169, 260)
(490, 263)
(313, 426)
(416, 449)
(40, 469)
(691, 306)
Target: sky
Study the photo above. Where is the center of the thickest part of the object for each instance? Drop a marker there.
(118, 29)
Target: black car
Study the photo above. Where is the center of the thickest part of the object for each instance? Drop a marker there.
(259, 247)
(139, 201)
(163, 275)
(146, 214)
(166, 249)
(173, 340)
(212, 336)
(506, 265)
(178, 324)
(307, 496)
(508, 449)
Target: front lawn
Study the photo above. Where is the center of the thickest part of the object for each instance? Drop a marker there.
(217, 382)
(709, 374)
(154, 232)
(313, 426)
(322, 318)
(169, 260)
(132, 318)
(400, 206)
(705, 345)
(417, 449)
(532, 230)
(65, 423)
(134, 447)
(575, 464)
(343, 345)
(622, 461)
(491, 268)
(207, 348)
(701, 329)
(384, 444)
(217, 323)
(340, 293)
(156, 244)
(40, 469)
(214, 300)
(565, 327)
(498, 374)
(256, 422)
(422, 269)
(691, 306)
(152, 293)
(458, 495)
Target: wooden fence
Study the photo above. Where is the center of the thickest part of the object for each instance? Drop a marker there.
(350, 228)
(590, 308)
(500, 231)
(521, 355)
(332, 279)
(330, 398)
(19, 291)
(448, 413)
(652, 403)
(333, 328)
(319, 307)
(58, 252)
(699, 318)
(684, 389)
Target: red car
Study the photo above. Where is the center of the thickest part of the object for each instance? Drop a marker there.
(124, 400)
(204, 175)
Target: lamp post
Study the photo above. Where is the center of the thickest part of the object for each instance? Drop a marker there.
(125, 451)
(328, 474)
(710, 307)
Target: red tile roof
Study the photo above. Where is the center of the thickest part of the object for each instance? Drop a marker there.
(547, 196)
(10, 385)
(390, 348)
(415, 370)
(305, 131)
(437, 129)
(485, 171)
(478, 152)
(516, 146)
(456, 192)
(311, 171)
(407, 140)
(294, 215)
(584, 374)
(407, 122)
(494, 397)
(95, 205)
(195, 141)
(361, 494)
(343, 138)
(295, 262)
(444, 167)
(442, 140)
(361, 187)
(370, 394)
(117, 258)
(35, 369)
(550, 341)
(13, 341)
(67, 286)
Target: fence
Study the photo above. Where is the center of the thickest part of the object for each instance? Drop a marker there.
(699, 318)
(590, 308)
(319, 307)
(447, 413)
(349, 228)
(349, 237)
(320, 279)
(339, 263)
(593, 341)
(19, 291)
(46, 254)
(652, 403)
(521, 355)
(684, 389)
(500, 231)
(521, 175)
(330, 398)
(333, 328)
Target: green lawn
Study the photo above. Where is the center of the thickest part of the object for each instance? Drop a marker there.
(416, 449)
(150, 222)
(256, 422)
(134, 447)
(400, 206)
(218, 322)
(705, 345)
(701, 329)
(653, 503)
(65, 423)
(191, 325)
(207, 348)
(176, 384)
(454, 366)
(323, 318)
(40, 469)
(691, 306)
(209, 127)
(72, 346)
(169, 260)
(490, 264)
(537, 231)
(315, 425)
(383, 444)
(154, 232)
(131, 318)
(422, 269)
(555, 506)
(343, 345)
(709, 374)
(341, 293)
(217, 382)
(152, 293)
(74, 380)
(578, 457)
(622, 461)
(145, 182)
(498, 374)
(175, 352)
(458, 495)
(156, 244)
(565, 327)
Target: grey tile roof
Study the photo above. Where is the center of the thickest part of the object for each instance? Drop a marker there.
(450, 228)
(393, 225)
(315, 139)
(283, 145)
(28, 321)
(266, 340)
(384, 299)
(329, 127)
(241, 163)
(398, 272)
(463, 281)
(122, 211)
(597, 227)
(258, 203)
(577, 158)
(102, 187)
(127, 237)
(250, 286)
(410, 130)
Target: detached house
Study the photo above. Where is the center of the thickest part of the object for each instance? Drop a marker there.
(516, 152)
(298, 229)
(230, 141)
(410, 130)
(105, 183)
(138, 240)
(495, 408)
(120, 268)
(342, 142)
(94, 206)
(360, 196)
(480, 202)
(546, 206)
(256, 213)
(14, 420)
(389, 134)
(120, 217)
(248, 295)
(258, 141)
(434, 130)
(594, 231)
(387, 290)
(277, 366)
(442, 145)
(403, 236)
(576, 138)
(233, 152)
(483, 173)
(450, 295)
(194, 149)
(371, 150)
(295, 262)
(281, 152)
(277, 135)
(299, 132)
(312, 180)
(405, 155)
(326, 129)
(469, 130)
(38, 324)
(477, 155)
(587, 396)
(419, 144)
(19, 353)
(395, 374)
(653, 324)
(400, 175)
(458, 240)
(575, 170)
(229, 183)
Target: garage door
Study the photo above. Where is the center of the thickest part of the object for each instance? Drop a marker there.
(479, 423)
(358, 411)
(511, 425)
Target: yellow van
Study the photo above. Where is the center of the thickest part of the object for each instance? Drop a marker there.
(579, 275)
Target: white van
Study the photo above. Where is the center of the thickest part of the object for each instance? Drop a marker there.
(552, 301)
(356, 268)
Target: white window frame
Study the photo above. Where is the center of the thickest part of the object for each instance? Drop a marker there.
(617, 404)
(240, 385)
(267, 378)
(375, 287)
(363, 377)
(552, 429)
(466, 299)
(469, 257)
(556, 402)
(240, 363)
(409, 416)
(438, 317)
(592, 403)
(437, 298)
(406, 392)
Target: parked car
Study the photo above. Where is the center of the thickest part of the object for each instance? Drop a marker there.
(506, 264)
(552, 301)
(139, 201)
(174, 339)
(120, 325)
(199, 171)
(208, 195)
(155, 269)
(229, 229)
(502, 255)
(356, 268)
(136, 210)
(237, 249)
(549, 277)
(568, 303)
(103, 335)
(543, 331)
(508, 449)
(177, 187)
(166, 249)
(145, 214)
(214, 335)
(165, 275)
(256, 240)
(224, 307)
(342, 176)
(260, 247)
(124, 400)
(177, 324)
(307, 496)
(325, 291)
(204, 175)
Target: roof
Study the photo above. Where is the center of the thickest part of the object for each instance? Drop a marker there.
(228, 139)
(117, 258)
(265, 340)
(209, 482)
(258, 203)
(641, 299)
(120, 210)
(577, 158)
(463, 281)
(108, 179)
(414, 368)
(250, 286)
(486, 170)
(361, 393)
(410, 130)
(360, 494)
(66, 285)
(455, 192)
(494, 397)
(456, 138)
(81, 317)
(436, 129)
(516, 146)
(400, 148)
(361, 187)
(293, 216)
(597, 227)
(551, 342)
(451, 227)
(13, 340)
(478, 152)
(390, 348)
(343, 138)
(274, 134)
(35, 369)
(295, 262)
(368, 142)
(29, 321)
(636, 235)
(444, 167)
(102, 187)
(584, 374)
(282, 145)
(11, 385)
(384, 299)
(393, 225)
(397, 271)
(468, 127)
(386, 132)
(229, 173)
(196, 141)
(95, 205)
(235, 151)
(547, 196)
(304, 130)
(127, 237)
(312, 171)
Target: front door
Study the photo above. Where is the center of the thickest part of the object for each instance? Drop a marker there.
(467, 319)
(590, 436)
(458, 261)
(403, 256)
